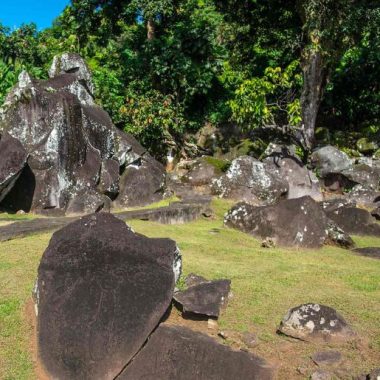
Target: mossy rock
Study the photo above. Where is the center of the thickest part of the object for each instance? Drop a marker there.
(322, 135)
(366, 145)
(219, 164)
(247, 147)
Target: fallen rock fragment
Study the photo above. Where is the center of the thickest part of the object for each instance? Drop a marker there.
(206, 298)
(174, 352)
(315, 322)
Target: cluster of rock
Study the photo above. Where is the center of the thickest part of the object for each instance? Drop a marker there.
(101, 292)
(60, 152)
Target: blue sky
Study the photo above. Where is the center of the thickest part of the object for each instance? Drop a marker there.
(13, 13)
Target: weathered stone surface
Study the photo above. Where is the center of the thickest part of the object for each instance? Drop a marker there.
(329, 159)
(363, 175)
(355, 221)
(364, 196)
(193, 279)
(72, 63)
(295, 222)
(334, 204)
(252, 181)
(321, 374)
(72, 144)
(301, 181)
(88, 202)
(109, 178)
(13, 158)
(141, 183)
(336, 236)
(315, 322)
(373, 252)
(174, 352)
(101, 291)
(206, 298)
(201, 173)
(327, 357)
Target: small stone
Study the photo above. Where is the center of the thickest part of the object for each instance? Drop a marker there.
(321, 375)
(250, 339)
(327, 357)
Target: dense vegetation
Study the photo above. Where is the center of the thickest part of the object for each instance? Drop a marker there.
(165, 68)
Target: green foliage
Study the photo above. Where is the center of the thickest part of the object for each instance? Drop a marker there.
(260, 101)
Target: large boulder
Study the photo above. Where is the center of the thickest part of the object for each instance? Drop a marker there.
(252, 181)
(202, 172)
(13, 158)
(315, 322)
(364, 196)
(175, 352)
(101, 290)
(355, 221)
(295, 222)
(72, 144)
(301, 181)
(329, 160)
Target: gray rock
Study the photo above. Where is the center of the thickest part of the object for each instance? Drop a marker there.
(175, 352)
(252, 181)
(315, 322)
(363, 175)
(101, 291)
(109, 178)
(336, 236)
(355, 221)
(295, 222)
(364, 196)
(301, 181)
(327, 357)
(329, 159)
(373, 375)
(193, 279)
(321, 374)
(87, 202)
(205, 298)
(201, 173)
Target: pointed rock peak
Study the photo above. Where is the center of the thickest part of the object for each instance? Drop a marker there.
(24, 79)
(71, 63)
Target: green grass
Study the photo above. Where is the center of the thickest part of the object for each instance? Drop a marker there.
(265, 284)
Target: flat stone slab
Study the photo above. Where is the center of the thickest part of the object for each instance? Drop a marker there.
(327, 357)
(176, 213)
(373, 252)
(206, 298)
(101, 291)
(174, 352)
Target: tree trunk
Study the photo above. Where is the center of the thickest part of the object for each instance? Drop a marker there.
(314, 77)
(151, 29)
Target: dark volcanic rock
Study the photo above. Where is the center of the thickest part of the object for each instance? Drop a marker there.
(193, 279)
(101, 291)
(88, 202)
(376, 213)
(295, 222)
(251, 181)
(315, 322)
(355, 221)
(142, 182)
(72, 144)
(364, 196)
(373, 252)
(205, 298)
(13, 158)
(174, 352)
(327, 357)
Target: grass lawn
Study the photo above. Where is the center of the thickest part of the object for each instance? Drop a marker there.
(265, 284)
